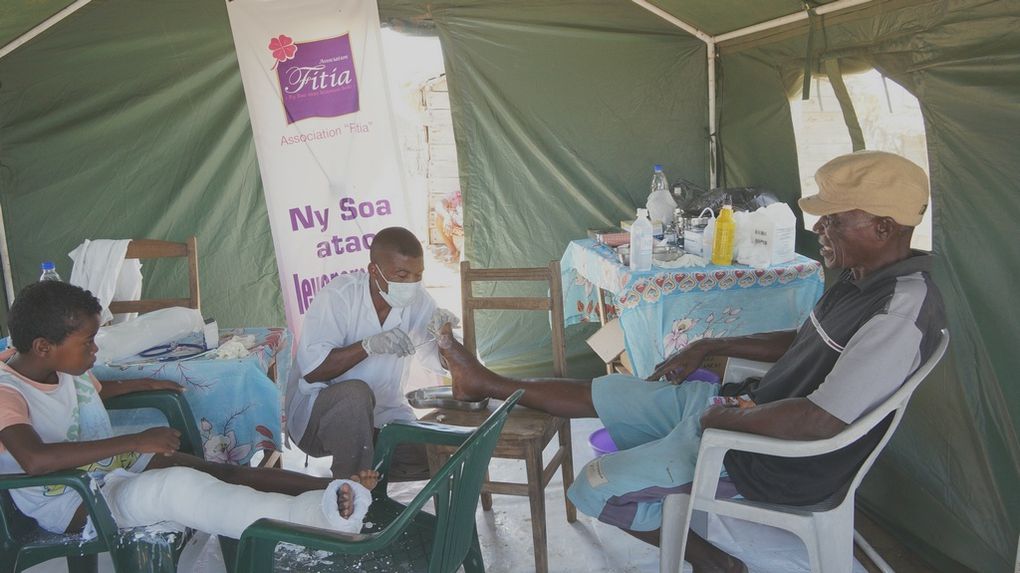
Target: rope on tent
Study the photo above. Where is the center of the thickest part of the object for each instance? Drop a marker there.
(809, 60)
(853, 125)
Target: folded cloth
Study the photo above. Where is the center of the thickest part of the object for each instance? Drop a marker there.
(100, 267)
(236, 347)
(687, 260)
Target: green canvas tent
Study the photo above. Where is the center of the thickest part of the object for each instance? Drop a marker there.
(127, 118)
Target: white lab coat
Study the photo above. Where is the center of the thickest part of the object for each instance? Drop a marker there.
(340, 315)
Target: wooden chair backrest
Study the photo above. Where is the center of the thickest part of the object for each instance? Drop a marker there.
(153, 249)
(553, 303)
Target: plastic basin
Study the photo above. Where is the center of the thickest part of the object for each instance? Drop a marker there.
(601, 442)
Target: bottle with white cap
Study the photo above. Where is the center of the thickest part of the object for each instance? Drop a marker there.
(660, 202)
(641, 242)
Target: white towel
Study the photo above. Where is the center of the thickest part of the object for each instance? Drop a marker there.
(100, 267)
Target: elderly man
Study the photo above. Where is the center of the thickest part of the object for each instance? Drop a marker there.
(865, 336)
(355, 354)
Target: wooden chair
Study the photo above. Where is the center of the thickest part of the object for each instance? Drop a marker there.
(527, 432)
(153, 249)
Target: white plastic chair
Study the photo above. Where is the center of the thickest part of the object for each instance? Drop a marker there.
(826, 528)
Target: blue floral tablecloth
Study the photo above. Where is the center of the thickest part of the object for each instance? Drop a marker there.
(663, 310)
(237, 406)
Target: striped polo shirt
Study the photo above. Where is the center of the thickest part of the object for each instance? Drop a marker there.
(861, 342)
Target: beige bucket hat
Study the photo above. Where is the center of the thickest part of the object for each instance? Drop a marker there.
(878, 182)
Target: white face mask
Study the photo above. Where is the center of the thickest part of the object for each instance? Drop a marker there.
(400, 294)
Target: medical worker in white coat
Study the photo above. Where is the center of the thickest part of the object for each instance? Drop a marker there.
(355, 353)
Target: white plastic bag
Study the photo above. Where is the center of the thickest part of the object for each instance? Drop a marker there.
(162, 326)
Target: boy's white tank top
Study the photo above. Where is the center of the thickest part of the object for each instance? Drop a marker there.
(53, 413)
(54, 416)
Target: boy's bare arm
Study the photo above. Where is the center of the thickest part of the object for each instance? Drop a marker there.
(37, 457)
(121, 387)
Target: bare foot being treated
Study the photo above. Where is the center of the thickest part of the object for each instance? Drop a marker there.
(468, 374)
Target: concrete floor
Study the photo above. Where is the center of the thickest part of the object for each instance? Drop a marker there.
(586, 546)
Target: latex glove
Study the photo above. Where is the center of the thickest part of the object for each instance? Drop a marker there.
(440, 317)
(393, 341)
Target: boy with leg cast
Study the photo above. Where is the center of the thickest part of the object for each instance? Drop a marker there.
(52, 418)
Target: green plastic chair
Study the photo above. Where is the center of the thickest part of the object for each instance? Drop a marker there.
(397, 538)
(24, 544)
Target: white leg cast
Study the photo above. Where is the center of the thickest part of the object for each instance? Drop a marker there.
(200, 501)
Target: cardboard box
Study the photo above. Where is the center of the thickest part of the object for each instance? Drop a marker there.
(607, 342)
(625, 367)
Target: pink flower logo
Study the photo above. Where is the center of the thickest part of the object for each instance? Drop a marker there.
(283, 48)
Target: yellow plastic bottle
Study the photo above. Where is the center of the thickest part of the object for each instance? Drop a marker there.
(722, 244)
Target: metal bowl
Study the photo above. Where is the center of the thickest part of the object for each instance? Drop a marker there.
(659, 253)
(442, 397)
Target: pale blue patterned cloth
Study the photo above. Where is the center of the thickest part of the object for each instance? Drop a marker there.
(237, 407)
(664, 310)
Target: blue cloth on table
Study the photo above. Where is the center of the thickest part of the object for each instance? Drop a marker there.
(663, 310)
(237, 407)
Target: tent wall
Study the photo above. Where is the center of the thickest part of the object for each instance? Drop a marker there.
(948, 483)
(127, 120)
(560, 111)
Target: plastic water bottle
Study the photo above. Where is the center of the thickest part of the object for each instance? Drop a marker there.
(725, 231)
(641, 242)
(660, 202)
(49, 272)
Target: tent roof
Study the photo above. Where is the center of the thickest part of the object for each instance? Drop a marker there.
(20, 16)
(713, 17)
(721, 16)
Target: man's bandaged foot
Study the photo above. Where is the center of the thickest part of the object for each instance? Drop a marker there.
(199, 501)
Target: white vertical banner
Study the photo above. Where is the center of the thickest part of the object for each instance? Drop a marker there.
(318, 98)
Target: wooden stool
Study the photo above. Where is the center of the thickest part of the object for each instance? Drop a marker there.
(526, 432)
(524, 437)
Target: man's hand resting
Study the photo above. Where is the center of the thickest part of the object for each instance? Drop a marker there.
(440, 317)
(157, 441)
(678, 367)
(393, 341)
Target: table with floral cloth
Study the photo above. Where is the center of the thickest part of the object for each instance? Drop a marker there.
(237, 406)
(663, 310)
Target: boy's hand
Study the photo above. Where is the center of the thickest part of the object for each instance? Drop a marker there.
(367, 478)
(157, 441)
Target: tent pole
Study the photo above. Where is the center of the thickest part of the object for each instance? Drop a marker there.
(42, 27)
(713, 167)
(790, 18)
(5, 259)
(674, 20)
